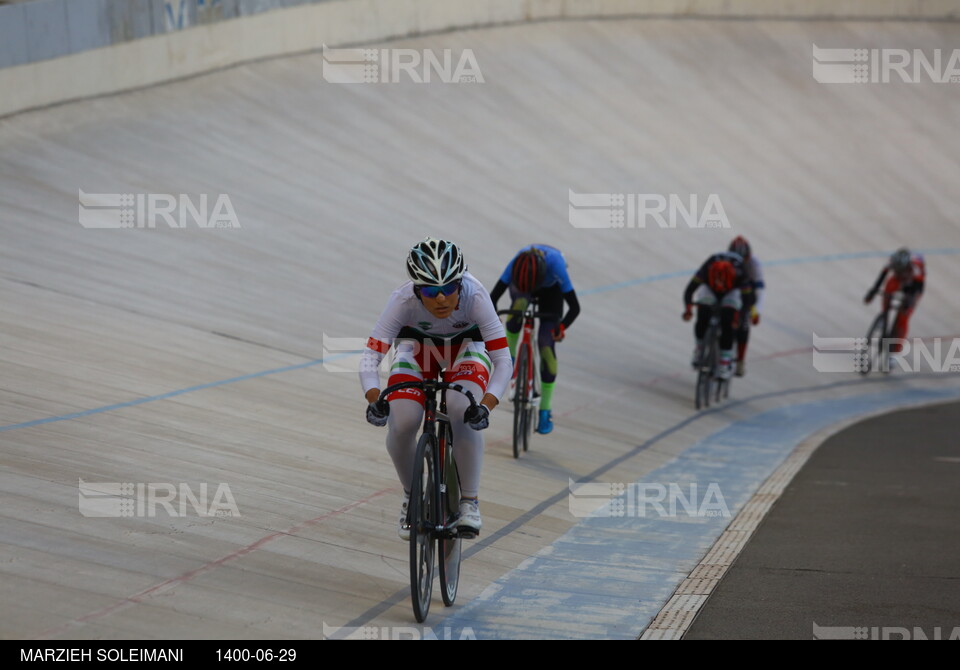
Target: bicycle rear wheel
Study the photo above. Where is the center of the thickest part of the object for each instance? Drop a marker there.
(521, 418)
(422, 517)
(449, 547)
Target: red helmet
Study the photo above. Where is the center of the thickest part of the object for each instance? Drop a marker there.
(740, 246)
(529, 268)
(721, 276)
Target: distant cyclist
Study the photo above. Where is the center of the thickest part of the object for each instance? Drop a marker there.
(442, 318)
(754, 271)
(721, 280)
(539, 273)
(908, 273)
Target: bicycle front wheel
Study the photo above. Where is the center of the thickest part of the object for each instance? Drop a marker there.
(706, 371)
(422, 518)
(520, 400)
(449, 547)
(873, 351)
(723, 389)
(530, 423)
(704, 379)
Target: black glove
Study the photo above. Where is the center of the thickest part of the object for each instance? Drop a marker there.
(870, 295)
(477, 417)
(377, 412)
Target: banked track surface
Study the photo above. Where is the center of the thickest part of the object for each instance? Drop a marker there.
(191, 356)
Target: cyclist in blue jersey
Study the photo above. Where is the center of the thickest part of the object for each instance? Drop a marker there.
(539, 273)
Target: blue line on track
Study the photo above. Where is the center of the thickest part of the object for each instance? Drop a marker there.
(163, 396)
(300, 366)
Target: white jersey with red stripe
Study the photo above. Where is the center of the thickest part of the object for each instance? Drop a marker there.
(404, 311)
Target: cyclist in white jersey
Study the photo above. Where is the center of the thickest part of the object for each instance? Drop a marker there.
(442, 319)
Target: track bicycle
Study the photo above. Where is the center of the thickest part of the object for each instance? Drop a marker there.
(434, 507)
(526, 376)
(709, 381)
(880, 332)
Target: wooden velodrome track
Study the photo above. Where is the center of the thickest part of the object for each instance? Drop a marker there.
(216, 357)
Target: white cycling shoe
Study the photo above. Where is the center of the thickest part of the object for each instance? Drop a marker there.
(469, 521)
(403, 527)
(726, 366)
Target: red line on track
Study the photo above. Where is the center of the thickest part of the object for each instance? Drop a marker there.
(187, 576)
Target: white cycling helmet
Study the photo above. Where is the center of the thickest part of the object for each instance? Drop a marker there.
(435, 262)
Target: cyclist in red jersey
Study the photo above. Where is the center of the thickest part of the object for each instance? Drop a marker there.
(907, 274)
(721, 280)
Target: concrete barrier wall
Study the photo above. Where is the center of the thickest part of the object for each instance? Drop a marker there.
(52, 51)
(38, 30)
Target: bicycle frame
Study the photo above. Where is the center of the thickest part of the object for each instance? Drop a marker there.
(892, 304)
(434, 415)
(526, 376)
(429, 528)
(880, 332)
(531, 371)
(709, 364)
